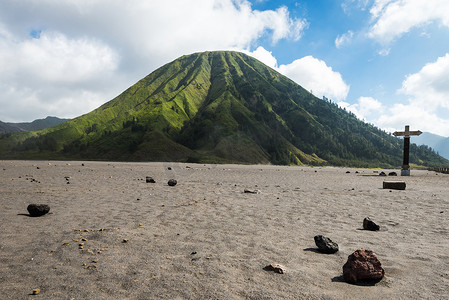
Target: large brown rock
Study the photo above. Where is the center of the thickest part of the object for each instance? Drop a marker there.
(363, 266)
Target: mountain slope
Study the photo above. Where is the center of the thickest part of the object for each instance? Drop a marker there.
(438, 143)
(218, 107)
(5, 128)
(37, 124)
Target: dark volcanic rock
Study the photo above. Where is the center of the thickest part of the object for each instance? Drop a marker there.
(37, 210)
(150, 179)
(172, 182)
(382, 174)
(247, 191)
(363, 266)
(325, 244)
(392, 174)
(370, 225)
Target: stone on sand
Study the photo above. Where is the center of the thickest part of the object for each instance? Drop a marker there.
(247, 191)
(363, 266)
(172, 182)
(37, 210)
(325, 244)
(368, 224)
(150, 179)
(277, 268)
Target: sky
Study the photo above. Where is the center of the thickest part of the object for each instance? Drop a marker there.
(387, 61)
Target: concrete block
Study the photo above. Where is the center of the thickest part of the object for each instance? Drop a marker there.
(394, 185)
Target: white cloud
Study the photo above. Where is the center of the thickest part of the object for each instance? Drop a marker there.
(314, 75)
(309, 72)
(343, 39)
(427, 105)
(37, 73)
(430, 86)
(366, 108)
(393, 18)
(90, 50)
(418, 118)
(347, 5)
(384, 51)
(264, 56)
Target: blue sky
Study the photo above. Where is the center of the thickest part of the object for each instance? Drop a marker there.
(385, 60)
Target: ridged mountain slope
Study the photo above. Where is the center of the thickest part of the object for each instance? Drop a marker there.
(218, 107)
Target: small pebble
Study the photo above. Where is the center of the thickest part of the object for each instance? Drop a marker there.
(36, 291)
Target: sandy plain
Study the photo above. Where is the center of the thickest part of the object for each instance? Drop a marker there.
(206, 239)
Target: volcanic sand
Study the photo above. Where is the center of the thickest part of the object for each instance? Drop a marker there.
(206, 239)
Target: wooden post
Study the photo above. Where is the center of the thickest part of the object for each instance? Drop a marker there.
(405, 171)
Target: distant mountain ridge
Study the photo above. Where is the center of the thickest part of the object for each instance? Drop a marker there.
(220, 107)
(37, 124)
(438, 143)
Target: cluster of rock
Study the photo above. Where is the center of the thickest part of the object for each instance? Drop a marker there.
(362, 265)
(171, 182)
(389, 174)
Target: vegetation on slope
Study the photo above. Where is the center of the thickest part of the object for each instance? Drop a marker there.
(218, 107)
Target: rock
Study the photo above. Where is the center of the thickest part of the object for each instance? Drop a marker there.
(382, 174)
(150, 179)
(370, 225)
(392, 174)
(325, 244)
(363, 266)
(169, 168)
(347, 172)
(37, 210)
(172, 182)
(36, 292)
(275, 268)
(394, 185)
(251, 191)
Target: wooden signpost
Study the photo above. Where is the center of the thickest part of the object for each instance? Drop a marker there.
(405, 171)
